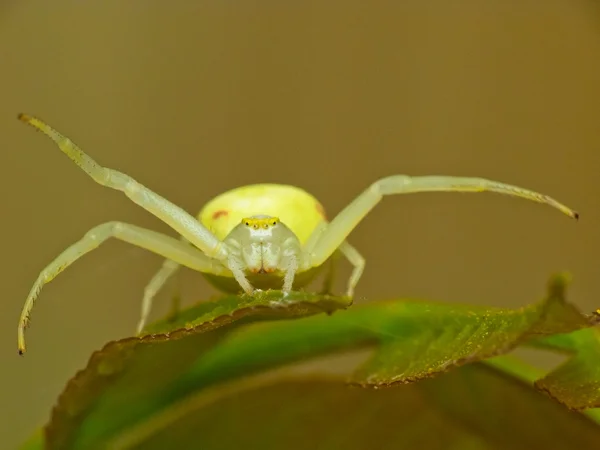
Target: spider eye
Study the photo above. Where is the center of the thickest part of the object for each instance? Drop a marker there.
(247, 223)
(274, 222)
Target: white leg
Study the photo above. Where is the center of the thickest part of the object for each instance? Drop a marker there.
(358, 265)
(159, 279)
(167, 270)
(174, 216)
(350, 253)
(290, 273)
(340, 227)
(292, 253)
(236, 266)
(155, 242)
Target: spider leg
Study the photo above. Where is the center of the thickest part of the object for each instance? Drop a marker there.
(158, 243)
(290, 273)
(342, 225)
(174, 216)
(350, 253)
(358, 265)
(156, 283)
(168, 268)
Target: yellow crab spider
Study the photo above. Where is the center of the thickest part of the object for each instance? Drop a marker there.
(253, 237)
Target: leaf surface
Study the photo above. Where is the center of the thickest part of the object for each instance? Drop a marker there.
(130, 383)
(474, 407)
(575, 383)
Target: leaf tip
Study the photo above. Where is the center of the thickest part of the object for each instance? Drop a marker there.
(557, 285)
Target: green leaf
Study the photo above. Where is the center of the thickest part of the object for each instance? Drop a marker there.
(532, 375)
(267, 304)
(473, 407)
(414, 339)
(131, 382)
(575, 383)
(131, 367)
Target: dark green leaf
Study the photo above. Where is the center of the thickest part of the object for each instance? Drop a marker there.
(473, 407)
(576, 383)
(131, 381)
(125, 370)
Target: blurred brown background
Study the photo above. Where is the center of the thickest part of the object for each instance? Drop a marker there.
(193, 98)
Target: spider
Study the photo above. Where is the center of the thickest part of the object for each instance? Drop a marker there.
(249, 238)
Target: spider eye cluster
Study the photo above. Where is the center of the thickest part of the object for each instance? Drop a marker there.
(264, 223)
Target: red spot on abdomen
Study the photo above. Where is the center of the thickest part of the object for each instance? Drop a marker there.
(220, 213)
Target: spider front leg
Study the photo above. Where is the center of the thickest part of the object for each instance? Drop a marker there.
(334, 233)
(174, 216)
(290, 268)
(168, 269)
(155, 242)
